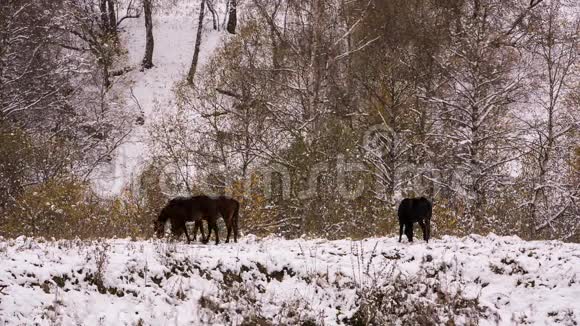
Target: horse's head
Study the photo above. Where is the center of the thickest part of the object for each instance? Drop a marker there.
(159, 228)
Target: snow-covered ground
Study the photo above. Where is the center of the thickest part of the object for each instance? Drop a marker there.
(276, 281)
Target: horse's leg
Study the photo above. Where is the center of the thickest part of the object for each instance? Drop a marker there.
(195, 227)
(422, 225)
(217, 234)
(198, 226)
(201, 230)
(175, 229)
(213, 225)
(235, 222)
(409, 231)
(401, 227)
(229, 226)
(206, 239)
(186, 234)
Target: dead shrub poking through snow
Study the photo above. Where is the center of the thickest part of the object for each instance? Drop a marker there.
(237, 300)
(422, 299)
(100, 257)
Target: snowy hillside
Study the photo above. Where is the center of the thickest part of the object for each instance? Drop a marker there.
(490, 280)
(150, 93)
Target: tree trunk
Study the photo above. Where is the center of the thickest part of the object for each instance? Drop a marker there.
(112, 18)
(232, 17)
(193, 67)
(104, 16)
(149, 43)
(474, 197)
(106, 80)
(214, 15)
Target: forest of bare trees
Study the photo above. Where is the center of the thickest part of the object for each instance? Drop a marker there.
(318, 115)
(472, 103)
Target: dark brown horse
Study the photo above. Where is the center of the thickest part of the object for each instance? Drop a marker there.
(415, 210)
(195, 209)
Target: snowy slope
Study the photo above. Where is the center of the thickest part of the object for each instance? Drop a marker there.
(174, 28)
(276, 281)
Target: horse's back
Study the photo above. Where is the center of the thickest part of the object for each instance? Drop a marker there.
(179, 202)
(404, 208)
(211, 205)
(424, 207)
(414, 209)
(206, 205)
(227, 205)
(176, 209)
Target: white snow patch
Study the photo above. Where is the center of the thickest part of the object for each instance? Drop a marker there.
(159, 283)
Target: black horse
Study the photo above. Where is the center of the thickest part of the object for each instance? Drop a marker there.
(195, 209)
(413, 210)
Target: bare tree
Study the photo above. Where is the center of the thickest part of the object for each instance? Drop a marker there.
(554, 48)
(53, 128)
(29, 82)
(91, 28)
(443, 82)
(483, 81)
(391, 95)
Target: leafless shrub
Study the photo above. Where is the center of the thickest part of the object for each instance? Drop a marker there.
(53, 312)
(100, 257)
(421, 299)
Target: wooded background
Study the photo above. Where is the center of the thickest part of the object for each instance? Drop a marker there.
(472, 103)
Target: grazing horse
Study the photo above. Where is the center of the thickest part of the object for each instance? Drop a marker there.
(413, 210)
(193, 209)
